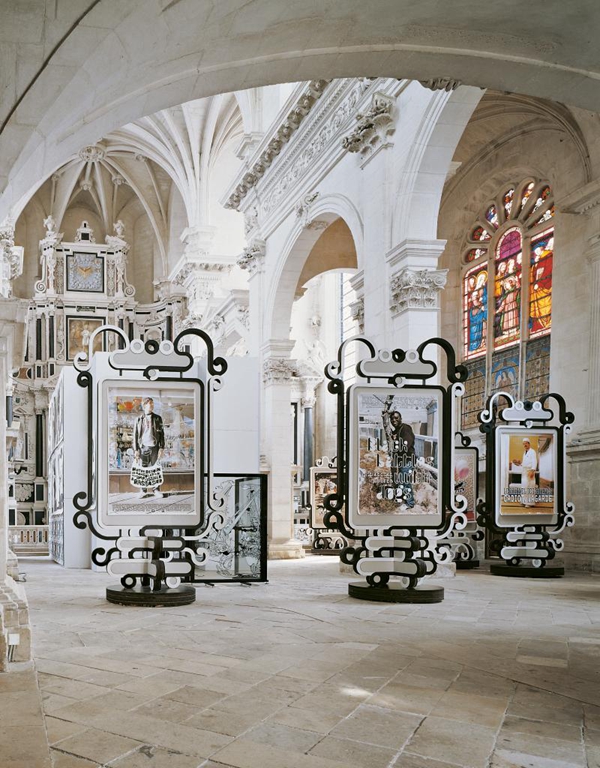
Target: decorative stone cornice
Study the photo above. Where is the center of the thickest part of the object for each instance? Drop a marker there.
(92, 153)
(313, 92)
(582, 200)
(441, 84)
(279, 370)
(423, 254)
(416, 289)
(253, 256)
(374, 128)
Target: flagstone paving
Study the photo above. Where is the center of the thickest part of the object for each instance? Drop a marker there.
(294, 674)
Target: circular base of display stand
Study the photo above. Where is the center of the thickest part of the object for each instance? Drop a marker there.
(527, 571)
(396, 593)
(466, 565)
(146, 597)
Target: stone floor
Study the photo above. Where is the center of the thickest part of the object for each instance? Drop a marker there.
(293, 674)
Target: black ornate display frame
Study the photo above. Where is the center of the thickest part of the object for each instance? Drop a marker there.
(537, 542)
(408, 552)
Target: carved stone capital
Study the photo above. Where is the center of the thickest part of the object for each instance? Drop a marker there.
(416, 289)
(357, 313)
(253, 256)
(441, 84)
(374, 127)
(279, 370)
(92, 153)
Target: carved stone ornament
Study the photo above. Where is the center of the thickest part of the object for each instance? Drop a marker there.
(85, 234)
(416, 289)
(279, 370)
(357, 313)
(303, 212)
(92, 154)
(253, 256)
(374, 127)
(11, 258)
(250, 220)
(441, 84)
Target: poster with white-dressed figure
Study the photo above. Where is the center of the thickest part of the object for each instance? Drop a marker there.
(526, 472)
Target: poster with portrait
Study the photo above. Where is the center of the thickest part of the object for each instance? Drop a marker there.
(149, 462)
(79, 332)
(526, 472)
(466, 474)
(322, 483)
(395, 467)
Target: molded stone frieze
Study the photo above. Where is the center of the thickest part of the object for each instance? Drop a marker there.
(416, 289)
(441, 84)
(357, 313)
(279, 370)
(374, 127)
(253, 256)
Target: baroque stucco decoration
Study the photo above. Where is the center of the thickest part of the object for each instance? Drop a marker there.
(441, 84)
(416, 289)
(11, 258)
(253, 256)
(279, 370)
(375, 128)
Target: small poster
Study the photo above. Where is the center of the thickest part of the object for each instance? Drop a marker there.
(322, 483)
(148, 453)
(395, 471)
(79, 332)
(466, 478)
(526, 468)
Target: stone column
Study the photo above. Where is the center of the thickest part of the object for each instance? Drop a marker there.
(415, 284)
(278, 371)
(593, 404)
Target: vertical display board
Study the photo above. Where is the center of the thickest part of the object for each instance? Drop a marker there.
(525, 482)
(395, 492)
(151, 491)
(323, 481)
(466, 483)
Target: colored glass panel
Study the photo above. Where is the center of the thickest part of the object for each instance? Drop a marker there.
(475, 311)
(505, 372)
(492, 216)
(542, 197)
(537, 368)
(507, 288)
(526, 194)
(473, 401)
(479, 233)
(507, 201)
(540, 284)
(546, 217)
(475, 253)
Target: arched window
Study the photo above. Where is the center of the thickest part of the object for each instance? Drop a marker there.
(507, 296)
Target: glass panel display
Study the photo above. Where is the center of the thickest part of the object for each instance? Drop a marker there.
(475, 311)
(505, 372)
(540, 284)
(537, 368)
(507, 288)
(473, 401)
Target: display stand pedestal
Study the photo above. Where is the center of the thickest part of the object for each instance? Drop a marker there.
(396, 593)
(146, 597)
(466, 565)
(527, 571)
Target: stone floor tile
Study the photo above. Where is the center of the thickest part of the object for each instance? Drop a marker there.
(529, 701)
(157, 757)
(20, 708)
(470, 708)
(63, 760)
(217, 721)
(353, 753)
(456, 742)
(337, 702)
(22, 746)
(61, 729)
(283, 736)
(196, 698)
(383, 727)
(164, 708)
(503, 758)
(98, 746)
(74, 689)
(319, 722)
(244, 753)
(554, 749)
(406, 698)
(561, 731)
(85, 711)
(406, 760)
(52, 702)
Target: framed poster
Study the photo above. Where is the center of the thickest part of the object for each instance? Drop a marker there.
(79, 331)
(85, 272)
(322, 483)
(526, 472)
(395, 459)
(149, 462)
(466, 477)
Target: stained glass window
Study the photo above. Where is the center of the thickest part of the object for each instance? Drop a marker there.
(540, 284)
(475, 309)
(507, 288)
(507, 303)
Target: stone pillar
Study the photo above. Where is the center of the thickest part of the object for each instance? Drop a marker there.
(278, 371)
(414, 292)
(252, 260)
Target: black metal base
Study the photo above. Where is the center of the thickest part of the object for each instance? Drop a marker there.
(527, 571)
(335, 552)
(466, 565)
(396, 593)
(145, 597)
